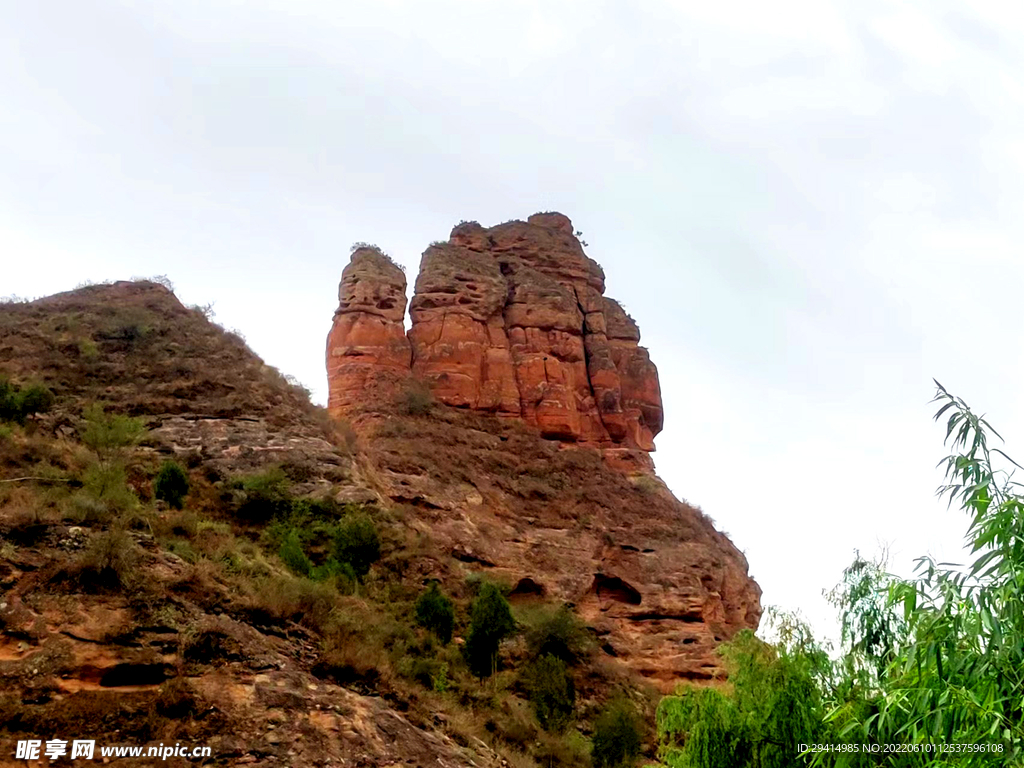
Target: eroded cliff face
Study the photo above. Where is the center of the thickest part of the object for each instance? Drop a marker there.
(510, 325)
(367, 339)
(657, 584)
(511, 320)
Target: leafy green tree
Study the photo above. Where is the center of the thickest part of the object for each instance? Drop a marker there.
(491, 622)
(171, 484)
(774, 705)
(617, 736)
(871, 630)
(110, 436)
(957, 675)
(436, 612)
(552, 692)
(357, 543)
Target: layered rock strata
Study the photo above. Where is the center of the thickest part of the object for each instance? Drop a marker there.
(367, 339)
(511, 320)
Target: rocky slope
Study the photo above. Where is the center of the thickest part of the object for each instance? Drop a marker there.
(510, 320)
(130, 622)
(511, 323)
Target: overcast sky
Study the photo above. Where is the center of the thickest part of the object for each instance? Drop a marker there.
(811, 208)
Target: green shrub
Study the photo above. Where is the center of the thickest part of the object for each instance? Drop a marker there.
(357, 543)
(430, 673)
(292, 554)
(34, 398)
(109, 434)
(342, 574)
(108, 485)
(560, 634)
(263, 496)
(491, 622)
(416, 400)
(171, 484)
(617, 736)
(16, 404)
(436, 612)
(552, 692)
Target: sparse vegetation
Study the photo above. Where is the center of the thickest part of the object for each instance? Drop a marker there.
(252, 547)
(376, 249)
(108, 564)
(416, 399)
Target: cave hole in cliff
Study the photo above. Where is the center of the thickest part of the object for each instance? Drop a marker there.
(614, 588)
(527, 587)
(133, 674)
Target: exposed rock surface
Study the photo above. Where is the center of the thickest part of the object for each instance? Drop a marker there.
(84, 668)
(460, 493)
(511, 320)
(657, 583)
(368, 335)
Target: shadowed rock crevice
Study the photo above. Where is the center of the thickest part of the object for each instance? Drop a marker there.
(614, 588)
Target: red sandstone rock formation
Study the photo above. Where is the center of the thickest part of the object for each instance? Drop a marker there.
(511, 320)
(367, 338)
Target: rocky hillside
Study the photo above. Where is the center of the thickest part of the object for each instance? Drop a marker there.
(275, 616)
(511, 329)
